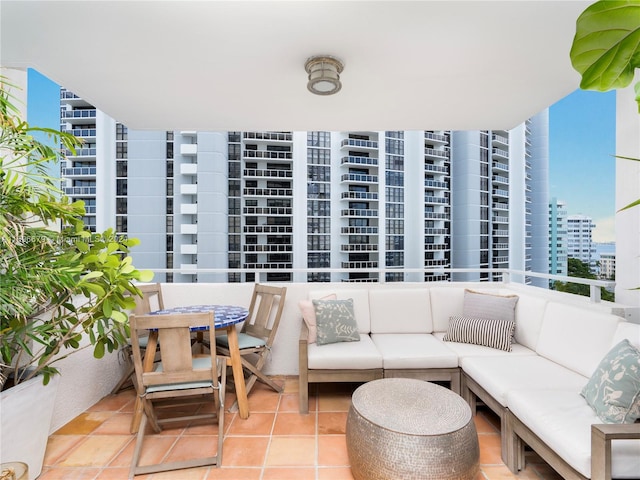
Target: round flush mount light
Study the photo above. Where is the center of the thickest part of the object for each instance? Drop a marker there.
(324, 74)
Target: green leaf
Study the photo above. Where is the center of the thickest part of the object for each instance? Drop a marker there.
(118, 316)
(106, 309)
(145, 276)
(98, 351)
(91, 275)
(632, 204)
(96, 289)
(606, 46)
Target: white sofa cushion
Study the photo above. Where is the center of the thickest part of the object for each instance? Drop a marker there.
(498, 376)
(403, 350)
(400, 310)
(628, 330)
(576, 337)
(529, 314)
(344, 356)
(478, 304)
(562, 419)
(360, 304)
(470, 350)
(445, 302)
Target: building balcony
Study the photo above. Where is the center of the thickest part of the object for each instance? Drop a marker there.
(499, 153)
(359, 265)
(436, 246)
(276, 211)
(358, 212)
(437, 200)
(436, 169)
(436, 184)
(268, 248)
(497, 219)
(499, 166)
(358, 178)
(80, 152)
(189, 169)
(250, 154)
(78, 114)
(436, 216)
(189, 208)
(434, 153)
(261, 173)
(431, 137)
(85, 133)
(189, 249)
(188, 229)
(78, 171)
(359, 231)
(359, 144)
(270, 136)
(79, 191)
(500, 179)
(499, 192)
(361, 247)
(354, 160)
(436, 231)
(268, 229)
(359, 196)
(189, 189)
(500, 140)
(188, 149)
(268, 192)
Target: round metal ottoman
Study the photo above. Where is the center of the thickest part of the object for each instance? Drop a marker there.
(400, 428)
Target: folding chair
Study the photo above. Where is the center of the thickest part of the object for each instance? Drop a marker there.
(181, 379)
(258, 333)
(151, 301)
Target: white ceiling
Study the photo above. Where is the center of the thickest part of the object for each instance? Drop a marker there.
(239, 65)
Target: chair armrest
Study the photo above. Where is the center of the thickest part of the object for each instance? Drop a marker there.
(601, 436)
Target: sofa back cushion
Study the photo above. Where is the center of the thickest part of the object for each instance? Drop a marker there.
(576, 337)
(529, 315)
(628, 330)
(445, 302)
(360, 304)
(400, 310)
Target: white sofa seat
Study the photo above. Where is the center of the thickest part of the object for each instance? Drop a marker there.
(338, 356)
(562, 419)
(469, 350)
(498, 376)
(413, 351)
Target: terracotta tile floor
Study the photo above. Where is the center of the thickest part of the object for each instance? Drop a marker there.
(274, 443)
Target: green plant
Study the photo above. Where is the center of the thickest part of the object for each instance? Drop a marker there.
(606, 46)
(58, 282)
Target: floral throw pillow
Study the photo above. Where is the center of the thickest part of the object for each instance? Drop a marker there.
(335, 321)
(613, 390)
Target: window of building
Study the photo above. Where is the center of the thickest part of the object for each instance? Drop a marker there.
(319, 139)
(121, 187)
(121, 132)
(121, 150)
(121, 168)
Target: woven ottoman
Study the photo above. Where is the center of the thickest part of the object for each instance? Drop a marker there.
(400, 428)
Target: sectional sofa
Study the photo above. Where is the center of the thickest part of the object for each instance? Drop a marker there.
(535, 388)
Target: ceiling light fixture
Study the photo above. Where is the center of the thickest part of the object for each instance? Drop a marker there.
(324, 74)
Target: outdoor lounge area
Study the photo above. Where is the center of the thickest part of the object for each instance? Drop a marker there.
(275, 443)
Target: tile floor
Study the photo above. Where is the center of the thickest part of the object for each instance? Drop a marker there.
(274, 443)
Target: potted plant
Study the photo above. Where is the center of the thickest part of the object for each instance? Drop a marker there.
(62, 288)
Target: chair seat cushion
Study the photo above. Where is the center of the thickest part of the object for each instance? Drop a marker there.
(244, 341)
(413, 350)
(498, 375)
(198, 363)
(345, 355)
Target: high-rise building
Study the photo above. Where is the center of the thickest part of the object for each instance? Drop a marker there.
(579, 242)
(364, 201)
(557, 237)
(607, 269)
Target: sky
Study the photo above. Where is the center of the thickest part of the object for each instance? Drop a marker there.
(581, 162)
(581, 148)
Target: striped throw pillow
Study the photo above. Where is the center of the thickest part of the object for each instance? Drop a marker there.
(491, 333)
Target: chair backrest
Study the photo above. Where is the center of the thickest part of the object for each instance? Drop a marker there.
(151, 299)
(265, 311)
(179, 364)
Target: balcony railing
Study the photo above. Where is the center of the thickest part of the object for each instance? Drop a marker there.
(354, 142)
(251, 172)
(353, 160)
(359, 196)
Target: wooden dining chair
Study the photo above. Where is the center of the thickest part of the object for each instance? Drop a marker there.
(258, 334)
(182, 387)
(150, 301)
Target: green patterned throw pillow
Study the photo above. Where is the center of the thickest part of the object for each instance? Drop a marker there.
(613, 390)
(335, 321)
